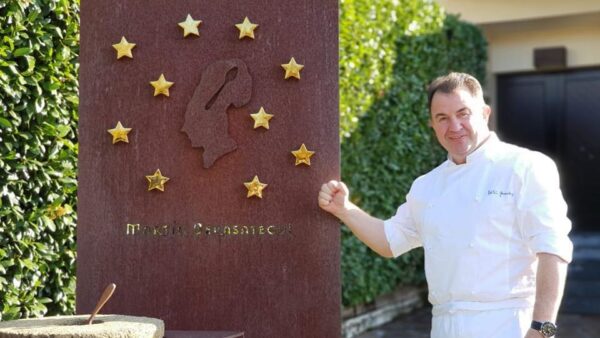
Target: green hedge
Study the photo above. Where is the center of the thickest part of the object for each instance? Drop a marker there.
(38, 153)
(389, 52)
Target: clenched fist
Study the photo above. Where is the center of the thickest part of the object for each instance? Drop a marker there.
(333, 198)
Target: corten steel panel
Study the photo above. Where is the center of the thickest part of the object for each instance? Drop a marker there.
(284, 285)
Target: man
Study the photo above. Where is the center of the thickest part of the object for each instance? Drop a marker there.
(491, 219)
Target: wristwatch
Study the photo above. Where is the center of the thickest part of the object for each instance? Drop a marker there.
(547, 329)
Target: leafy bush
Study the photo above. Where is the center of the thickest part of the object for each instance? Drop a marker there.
(38, 153)
(389, 52)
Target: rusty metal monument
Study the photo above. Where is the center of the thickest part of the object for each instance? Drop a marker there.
(206, 130)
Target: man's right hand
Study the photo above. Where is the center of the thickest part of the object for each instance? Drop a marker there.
(333, 198)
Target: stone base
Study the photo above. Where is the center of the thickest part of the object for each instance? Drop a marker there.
(105, 326)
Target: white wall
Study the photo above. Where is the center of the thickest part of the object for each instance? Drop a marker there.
(490, 11)
(511, 44)
(514, 28)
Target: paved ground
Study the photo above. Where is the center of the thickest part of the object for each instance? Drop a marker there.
(418, 325)
(413, 325)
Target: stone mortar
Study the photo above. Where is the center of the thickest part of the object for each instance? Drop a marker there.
(105, 326)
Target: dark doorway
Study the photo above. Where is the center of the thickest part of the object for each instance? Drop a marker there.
(559, 115)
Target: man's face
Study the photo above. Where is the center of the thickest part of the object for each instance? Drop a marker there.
(460, 122)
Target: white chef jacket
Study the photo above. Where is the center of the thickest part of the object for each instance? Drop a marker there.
(481, 224)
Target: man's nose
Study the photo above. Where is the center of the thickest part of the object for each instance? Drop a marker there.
(454, 124)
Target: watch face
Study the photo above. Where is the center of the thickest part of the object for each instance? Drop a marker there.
(548, 329)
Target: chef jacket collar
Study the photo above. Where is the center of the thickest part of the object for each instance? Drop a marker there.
(486, 150)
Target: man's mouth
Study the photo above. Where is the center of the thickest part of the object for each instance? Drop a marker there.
(456, 138)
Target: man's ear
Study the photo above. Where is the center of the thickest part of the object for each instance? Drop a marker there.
(487, 111)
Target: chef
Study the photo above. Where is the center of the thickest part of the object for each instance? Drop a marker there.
(491, 219)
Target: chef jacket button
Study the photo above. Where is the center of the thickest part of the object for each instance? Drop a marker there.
(471, 245)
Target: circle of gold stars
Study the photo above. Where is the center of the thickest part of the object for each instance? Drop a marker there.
(190, 26)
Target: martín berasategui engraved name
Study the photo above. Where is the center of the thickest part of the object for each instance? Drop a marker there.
(206, 230)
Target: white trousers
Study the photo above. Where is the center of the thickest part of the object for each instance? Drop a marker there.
(502, 323)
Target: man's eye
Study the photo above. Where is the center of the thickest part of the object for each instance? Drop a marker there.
(442, 119)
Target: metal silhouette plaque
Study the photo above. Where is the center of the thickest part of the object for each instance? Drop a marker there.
(206, 130)
(223, 84)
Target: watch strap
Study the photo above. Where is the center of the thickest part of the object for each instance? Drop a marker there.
(536, 325)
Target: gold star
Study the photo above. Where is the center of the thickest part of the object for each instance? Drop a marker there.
(292, 69)
(255, 187)
(261, 119)
(190, 26)
(303, 155)
(246, 28)
(124, 48)
(161, 86)
(119, 133)
(156, 181)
